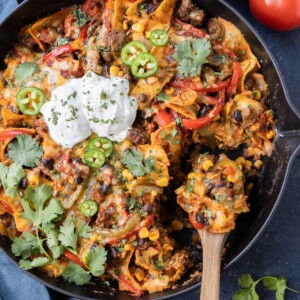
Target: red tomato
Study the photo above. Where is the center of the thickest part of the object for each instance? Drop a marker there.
(277, 14)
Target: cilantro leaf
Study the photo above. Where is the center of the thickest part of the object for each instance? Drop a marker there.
(191, 55)
(81, 19)
(75, 273)
(68, 236)
(248, 287)
(40, 215)
(245, 281)
(11, 177)
(53, 243)
(25, 151)
(162, 97)
(37, 262)
(134, 161)
(25, 70)
(25, 246)
(276, 284)
(96, 260)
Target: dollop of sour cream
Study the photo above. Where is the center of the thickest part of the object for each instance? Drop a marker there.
(90, 104)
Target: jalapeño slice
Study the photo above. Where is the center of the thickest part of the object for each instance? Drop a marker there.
(103, 144)
(131, 50)
(144, 65)
(89, 208)
(159, 37)
(94, 158)
(30, 100)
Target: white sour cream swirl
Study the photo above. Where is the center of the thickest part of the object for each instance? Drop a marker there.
(90, 104)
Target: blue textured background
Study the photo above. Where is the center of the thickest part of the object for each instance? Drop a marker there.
(278, 250)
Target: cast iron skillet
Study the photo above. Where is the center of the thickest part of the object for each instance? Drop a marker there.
(269, 188)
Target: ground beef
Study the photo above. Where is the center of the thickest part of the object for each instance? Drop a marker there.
(117, 39)
(93, 8)
(188, 12)
(48, 35)
(216, 29)
(137, 136)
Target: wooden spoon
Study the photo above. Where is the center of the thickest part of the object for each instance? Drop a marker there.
(212, 246)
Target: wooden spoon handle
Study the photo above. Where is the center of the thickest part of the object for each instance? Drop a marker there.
(212, 245)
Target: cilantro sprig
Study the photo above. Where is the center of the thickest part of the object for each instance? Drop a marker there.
(25, 151)
(191, 55)
(11, 177)
(44, 211)
(136, 163)
(248, 287)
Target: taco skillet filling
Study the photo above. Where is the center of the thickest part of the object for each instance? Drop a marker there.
(105, 110)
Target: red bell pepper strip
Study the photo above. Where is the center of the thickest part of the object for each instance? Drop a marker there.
(128, 286)
(61, 50)
(199, 87)
(196, 32)
(223, 49)
(195, 224)
(74, 258)
(201, 122)
(163, 118)
(7, 207)
(236, 77)
(10, 134)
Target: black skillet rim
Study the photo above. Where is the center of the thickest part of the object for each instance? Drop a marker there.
(263, 227)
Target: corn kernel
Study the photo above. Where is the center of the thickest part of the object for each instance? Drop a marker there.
(125, 25)
(154, 193)
(207, 164)
(231, 178)
(139, 274)
(154, 234)
(248, 164)
(270, 134)
(127, 175)
(147, 34)
(127, 247)
(121, 74)
(114, 71)
(240, 160)
(144, 233)
(33, 179)
(138, 27)
(170, 91)
(196, 79)
(258, 164)
(176, 225)
(250, 186)
(241, 167)
(163, 181)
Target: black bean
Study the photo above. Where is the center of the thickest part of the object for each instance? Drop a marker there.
(78, 180)
(230, 185)
(148, 208)
(238, 116)
(48, 162)
(24, 183)
(200, 217)
(114, 252)
(142, 98)
(142, 243)
(204, 111)
(221, 184)
(104, 188)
